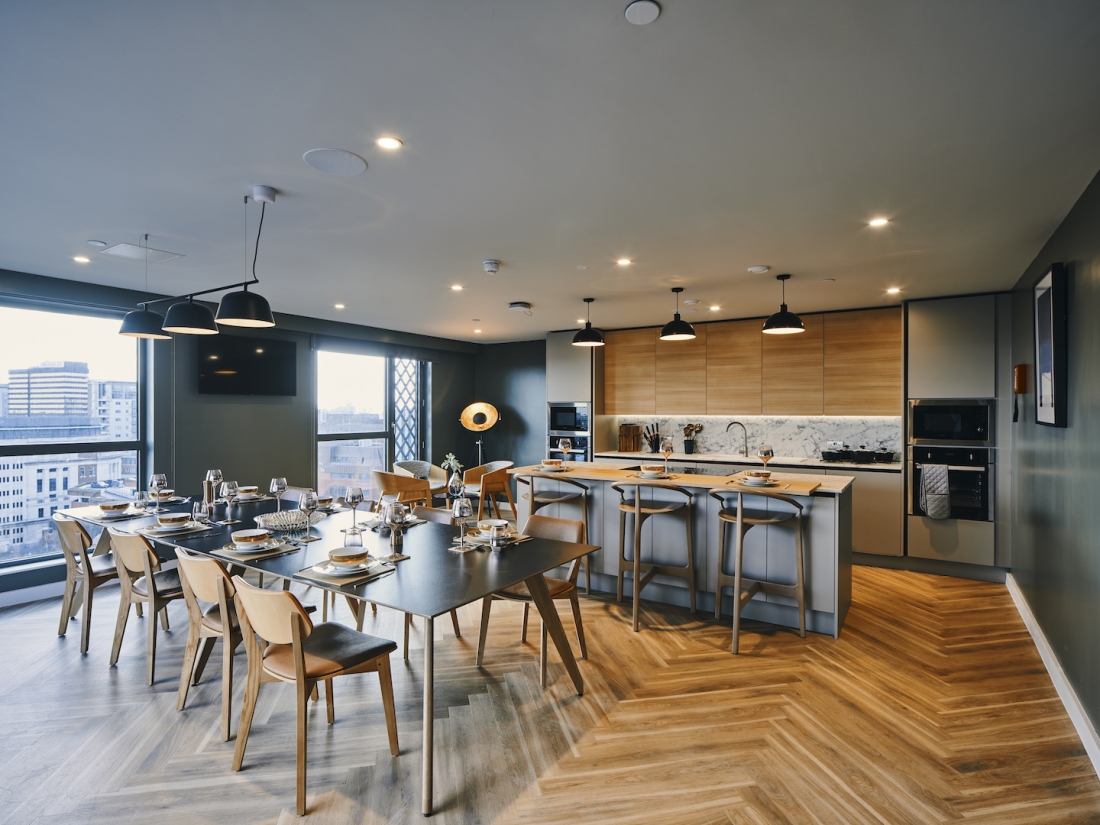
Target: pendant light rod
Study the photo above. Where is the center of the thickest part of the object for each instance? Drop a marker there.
(189, 295)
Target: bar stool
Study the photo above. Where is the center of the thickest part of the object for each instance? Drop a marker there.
(746, 588)
(542, 498)
(644, 573)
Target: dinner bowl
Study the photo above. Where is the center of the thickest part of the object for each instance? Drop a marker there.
(348, 556)
(485, 525)
(114, 506)
(247, 490)
(324, 501)
(173, 519)
(765, 474)
(551, 462)
(653, 469)
(249, 538)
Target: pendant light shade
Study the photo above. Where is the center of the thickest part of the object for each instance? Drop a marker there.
(783, 322)
(190, 318)
(143, 323)
(676, 329)
(589, 336)
(245, 309)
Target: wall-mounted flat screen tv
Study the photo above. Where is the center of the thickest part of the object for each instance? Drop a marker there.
(235, 365)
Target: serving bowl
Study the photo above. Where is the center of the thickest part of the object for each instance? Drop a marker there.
(114, 506)
(173, 519)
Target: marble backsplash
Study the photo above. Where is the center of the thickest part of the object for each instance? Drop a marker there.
(794, 436)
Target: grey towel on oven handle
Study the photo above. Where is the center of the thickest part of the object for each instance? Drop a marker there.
(935, 494)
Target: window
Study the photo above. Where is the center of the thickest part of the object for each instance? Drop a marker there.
(56, 371)
(368, 416)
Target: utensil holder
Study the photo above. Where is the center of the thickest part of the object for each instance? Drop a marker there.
(689, 445)
(654, 443)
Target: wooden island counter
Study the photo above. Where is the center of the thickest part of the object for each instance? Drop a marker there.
(827, 512)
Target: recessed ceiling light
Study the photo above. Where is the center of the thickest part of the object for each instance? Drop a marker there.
(642, 12)
(477, 331)
(827, 280)
(335, 161)
(338, 306)
(259, 351)
(759, 269)
(715, 308)
(580, 320)
(388, 143)
(878, 222)
(623, 262)
(893, 290)
(582, 267)
(456, 287)
(80, 259)
(97, 244)
(476, 320)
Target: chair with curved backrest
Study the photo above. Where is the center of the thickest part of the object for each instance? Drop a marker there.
(137, 566)
(205, 579)
(304, 654)
(543, 527)
(406, 489)
(436, 475)
(546, 497)
(775, 512)
(487, 482)
(83, 572)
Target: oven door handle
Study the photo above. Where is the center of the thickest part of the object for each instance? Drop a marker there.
(953, 468)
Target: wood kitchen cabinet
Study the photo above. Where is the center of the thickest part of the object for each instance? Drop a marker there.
(630, 367)
(862, 361)
(792, 377)
(733, 367)
(682, 375)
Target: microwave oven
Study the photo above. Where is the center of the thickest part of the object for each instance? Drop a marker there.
(568, 418)
(954, 423)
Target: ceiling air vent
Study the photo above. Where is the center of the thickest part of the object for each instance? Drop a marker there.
(137, 253)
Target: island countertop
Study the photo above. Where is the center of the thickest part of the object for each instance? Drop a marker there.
(613, 473)
(778, 461)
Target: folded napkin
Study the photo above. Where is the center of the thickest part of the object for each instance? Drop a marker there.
(483, 541)
(376, 570)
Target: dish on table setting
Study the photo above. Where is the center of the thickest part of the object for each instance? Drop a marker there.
(115, 509)
(249, 539)
(348, 558)
(330, 568)
(758, 481)
(173, 528)
(247, 491)
(271, 543)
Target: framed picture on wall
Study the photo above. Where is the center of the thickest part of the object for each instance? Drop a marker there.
(1051, 348)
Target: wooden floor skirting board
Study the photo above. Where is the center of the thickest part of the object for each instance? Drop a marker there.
(1085, 729)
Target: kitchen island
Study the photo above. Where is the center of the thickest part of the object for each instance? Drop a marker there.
(827, 513)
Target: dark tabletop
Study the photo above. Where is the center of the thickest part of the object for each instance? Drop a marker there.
(432, 581)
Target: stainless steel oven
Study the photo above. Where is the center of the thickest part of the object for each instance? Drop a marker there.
(968, 423)
(568, 419)
(969, 480)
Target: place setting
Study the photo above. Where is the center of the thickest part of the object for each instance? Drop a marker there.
(254, 544)
(350, 564)
(172, 524)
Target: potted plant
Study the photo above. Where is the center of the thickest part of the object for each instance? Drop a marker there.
(690, 431)
(454, 483)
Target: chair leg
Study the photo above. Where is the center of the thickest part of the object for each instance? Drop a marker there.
(454, 621)
(622, 557)
(227, 682)
(635, 590)
(189, 654)
(120, 627)
(86, 622)
(206, 647)
(542, 653)
(523, 628)
(721, 569)
(386, 684)
(330, 709)
(737, 603)
(151, 644)
(139, 608)
(66, 606)
(486, 607)
(575, 602)
(300, 793)
(690, 560)
(408, 622)
(799, 572)
(251, 693)
(164, 617)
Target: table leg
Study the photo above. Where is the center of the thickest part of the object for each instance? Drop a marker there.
(429, 714)
(540, 595)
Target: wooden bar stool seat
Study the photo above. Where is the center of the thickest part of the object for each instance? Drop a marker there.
(745, 588)
(643, 573)
(543, 498)
(83, 574)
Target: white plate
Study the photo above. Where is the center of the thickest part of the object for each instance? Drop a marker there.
(247, 496)
(327, 568)
(255, 547)
(558, 469)
(652, 475)
(172, 528)
(759, 482)
(109, 514)
(172, 500)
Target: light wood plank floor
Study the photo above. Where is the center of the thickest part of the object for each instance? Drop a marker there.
(932, 707)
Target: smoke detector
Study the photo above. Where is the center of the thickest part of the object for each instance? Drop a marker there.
(520, 306)
(335, 161)
(642, 12)
(760, 269)
(492, 266)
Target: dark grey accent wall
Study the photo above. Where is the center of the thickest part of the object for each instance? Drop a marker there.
(1055, 520)
(453, 388)
(512, 377)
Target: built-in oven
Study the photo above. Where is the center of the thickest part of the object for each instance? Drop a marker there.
(969, 480)
(967, 423)
(568, 419)
(579, 448)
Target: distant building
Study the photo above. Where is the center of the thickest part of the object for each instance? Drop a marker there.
(38, 429)
(3, 399)
(114, 404)
(51, 388)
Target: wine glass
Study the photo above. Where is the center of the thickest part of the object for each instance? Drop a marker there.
(461, 511)
(278, 487)
(565, 445)
(395, 517)
(765, 454)
(214, 476)
(229, 492)
(158, 482)
(666, 451)
(354, 497)
(307, 503)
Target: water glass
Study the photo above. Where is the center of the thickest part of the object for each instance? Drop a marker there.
(141, 500)
(200, 512)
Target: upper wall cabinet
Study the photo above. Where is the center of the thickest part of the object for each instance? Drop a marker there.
(952, 348)
(630, 366)
(733, 367)
(792, 376)
(863, 354)
(682, 375)
(568, 369)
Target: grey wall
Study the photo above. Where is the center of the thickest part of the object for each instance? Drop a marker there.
(1055, 520)
(512, 377)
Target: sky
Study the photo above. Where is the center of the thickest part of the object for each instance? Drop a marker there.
(358, 381)
(29, 337)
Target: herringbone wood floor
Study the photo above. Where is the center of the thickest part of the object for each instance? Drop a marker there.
(932, 707)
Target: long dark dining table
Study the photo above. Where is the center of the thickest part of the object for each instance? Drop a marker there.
(434, 580)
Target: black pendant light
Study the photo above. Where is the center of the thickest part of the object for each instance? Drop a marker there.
(144, 323)
(677, 330)
(783, 322)
(190, 318)
(589, 336)
(244, 308)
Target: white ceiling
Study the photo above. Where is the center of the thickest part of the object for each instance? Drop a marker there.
(552, 135)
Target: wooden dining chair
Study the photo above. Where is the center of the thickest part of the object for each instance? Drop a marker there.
(436, 475)
(406, 489)
(83, 572)
(487, 482)
(543, 527)
(206, 579)
(560, 493)
(137, 566)
(304, 654)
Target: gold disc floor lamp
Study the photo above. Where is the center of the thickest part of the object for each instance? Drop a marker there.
(477, 418)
